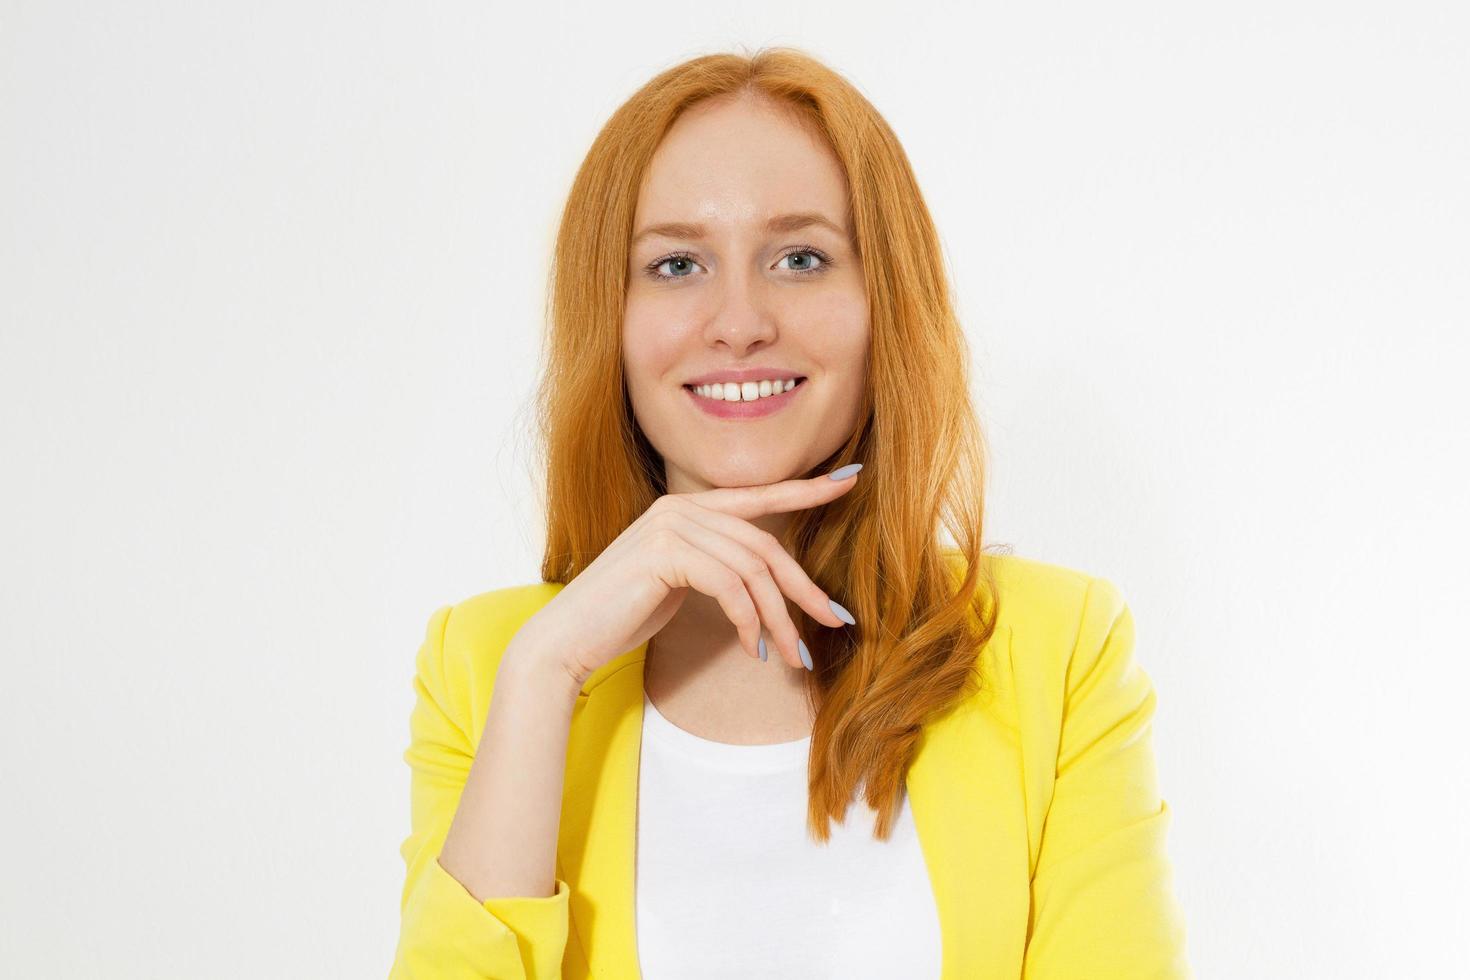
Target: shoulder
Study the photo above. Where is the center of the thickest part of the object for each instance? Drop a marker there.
(464, 642)
(1037, 595)
(1051, 619)
(482, 624)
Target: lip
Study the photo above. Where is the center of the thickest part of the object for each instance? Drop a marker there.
(757, 409)
(757, 373)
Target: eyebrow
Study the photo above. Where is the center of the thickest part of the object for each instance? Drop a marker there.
(780, 223)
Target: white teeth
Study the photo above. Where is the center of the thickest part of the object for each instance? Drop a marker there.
(747, 391)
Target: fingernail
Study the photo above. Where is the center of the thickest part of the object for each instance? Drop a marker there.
(841, 613)
(806, 655)
(843, 472)
(762, 646)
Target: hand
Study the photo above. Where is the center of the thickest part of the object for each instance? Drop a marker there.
(703, 541)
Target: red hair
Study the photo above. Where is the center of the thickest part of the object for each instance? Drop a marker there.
(923, 609)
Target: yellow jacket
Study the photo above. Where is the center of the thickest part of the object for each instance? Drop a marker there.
(1036, 803)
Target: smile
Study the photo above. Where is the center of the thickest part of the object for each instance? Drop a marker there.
(759, 407)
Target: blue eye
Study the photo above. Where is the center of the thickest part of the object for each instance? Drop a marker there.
(686, 258)
(680, 257)
(810, 252)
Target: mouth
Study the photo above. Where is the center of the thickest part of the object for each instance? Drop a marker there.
(759, 407)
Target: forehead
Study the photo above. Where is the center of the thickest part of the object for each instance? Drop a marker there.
(737, 164)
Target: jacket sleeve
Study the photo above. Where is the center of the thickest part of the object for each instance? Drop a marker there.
(445, 932)
(1102, 901)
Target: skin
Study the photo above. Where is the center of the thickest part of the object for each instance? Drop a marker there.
(740, 297)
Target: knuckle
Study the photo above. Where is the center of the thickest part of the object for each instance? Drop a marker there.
(665, 537)
(751, 565)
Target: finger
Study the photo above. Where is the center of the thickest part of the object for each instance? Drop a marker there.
(790, 576)
(753, 571)
(773, 498)
(684, 565)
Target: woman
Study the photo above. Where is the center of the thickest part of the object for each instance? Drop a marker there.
(748, 307)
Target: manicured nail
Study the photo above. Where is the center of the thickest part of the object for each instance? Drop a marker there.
(806, 655)
(762, 646)
(841, 613)
(843, 472)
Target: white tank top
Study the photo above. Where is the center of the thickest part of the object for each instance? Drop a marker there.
(728, 885)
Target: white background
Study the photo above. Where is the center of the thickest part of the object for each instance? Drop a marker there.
(270, 295)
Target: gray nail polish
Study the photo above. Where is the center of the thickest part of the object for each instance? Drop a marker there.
(841, 613)
(762, 647)
(843, 472)
(806, 655)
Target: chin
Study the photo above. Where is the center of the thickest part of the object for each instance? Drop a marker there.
(746, 476)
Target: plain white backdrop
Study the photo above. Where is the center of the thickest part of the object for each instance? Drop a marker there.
(271, 278)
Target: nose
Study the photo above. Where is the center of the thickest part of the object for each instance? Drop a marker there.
(742, 318)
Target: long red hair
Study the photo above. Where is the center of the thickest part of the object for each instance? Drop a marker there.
(924, 609)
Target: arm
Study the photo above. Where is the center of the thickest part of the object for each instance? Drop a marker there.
(1102, 903)
(491, 819)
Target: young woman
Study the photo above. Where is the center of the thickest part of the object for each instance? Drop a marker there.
(643, 765)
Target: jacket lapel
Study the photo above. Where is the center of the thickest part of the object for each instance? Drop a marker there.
(973, 834)
(968, 828)
(599, 814)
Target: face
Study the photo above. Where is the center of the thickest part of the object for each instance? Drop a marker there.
(744, 296)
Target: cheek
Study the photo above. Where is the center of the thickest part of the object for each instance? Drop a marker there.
(844, 335)
(651, 344)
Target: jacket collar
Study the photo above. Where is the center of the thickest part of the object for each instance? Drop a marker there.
(968, 828)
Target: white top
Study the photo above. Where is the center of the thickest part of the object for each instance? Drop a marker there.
(728, 884)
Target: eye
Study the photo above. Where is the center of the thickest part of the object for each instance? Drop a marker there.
(684, 260)
(681, 259)
(807, 269)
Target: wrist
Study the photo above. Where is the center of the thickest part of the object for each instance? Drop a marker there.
(532, 658)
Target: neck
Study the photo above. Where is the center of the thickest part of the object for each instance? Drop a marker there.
(700, 648)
